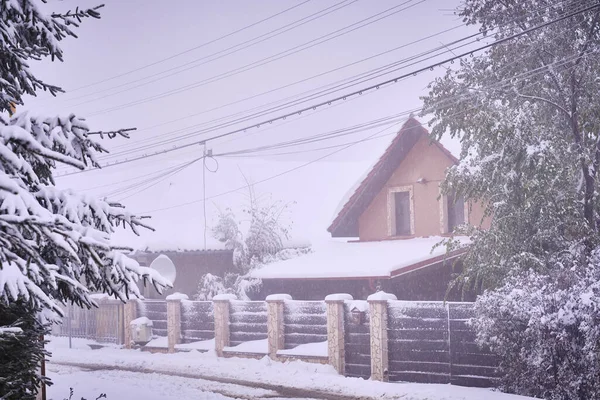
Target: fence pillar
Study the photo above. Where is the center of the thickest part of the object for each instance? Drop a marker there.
(336, 344)
(129, 314)
(378, 309)
(221, 314)
(275, 325)
(174, 319)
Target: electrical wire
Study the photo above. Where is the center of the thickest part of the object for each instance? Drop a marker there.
(220, 54)
(369, 88)
(445, 48)
(345, 146)
(156, 182)
(264, 61)
(189, 50)
(371, 137)
(114, 155)
(291, 84)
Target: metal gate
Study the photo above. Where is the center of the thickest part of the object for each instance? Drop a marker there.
(103, 324)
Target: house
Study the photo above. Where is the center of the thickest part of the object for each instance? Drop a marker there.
(385, 232)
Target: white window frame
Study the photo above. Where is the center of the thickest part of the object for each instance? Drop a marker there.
(391, 206)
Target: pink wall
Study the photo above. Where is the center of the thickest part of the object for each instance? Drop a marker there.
(425, 161)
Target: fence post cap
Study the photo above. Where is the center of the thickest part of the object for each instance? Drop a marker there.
(338, 297)
(224, 297)
(278, 297)
(177, 297)
(381, 296)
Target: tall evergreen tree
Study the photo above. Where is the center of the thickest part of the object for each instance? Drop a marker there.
(55, 244)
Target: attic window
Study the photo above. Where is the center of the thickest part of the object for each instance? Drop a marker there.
(400, 211)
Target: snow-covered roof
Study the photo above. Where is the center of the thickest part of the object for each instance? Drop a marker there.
(338, 259)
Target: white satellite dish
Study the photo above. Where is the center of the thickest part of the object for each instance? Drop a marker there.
(164, 266)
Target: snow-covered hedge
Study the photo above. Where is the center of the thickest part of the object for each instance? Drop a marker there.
(546, 330)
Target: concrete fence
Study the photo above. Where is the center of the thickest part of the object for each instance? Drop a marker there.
(381, 338)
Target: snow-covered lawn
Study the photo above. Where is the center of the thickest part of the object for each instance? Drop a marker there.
(313, 377)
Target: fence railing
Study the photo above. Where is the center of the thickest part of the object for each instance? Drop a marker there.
(197, 321)
(304, 322)
(247, 321)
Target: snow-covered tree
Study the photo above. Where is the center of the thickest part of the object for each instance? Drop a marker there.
(256, 237)
(256, 234)
(55, 245)
(526, 112)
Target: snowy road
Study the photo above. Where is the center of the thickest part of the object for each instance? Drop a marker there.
(135, 385)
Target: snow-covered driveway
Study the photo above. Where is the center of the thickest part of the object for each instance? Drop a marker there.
(118, 385)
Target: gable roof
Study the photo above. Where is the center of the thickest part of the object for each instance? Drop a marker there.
(345, 223)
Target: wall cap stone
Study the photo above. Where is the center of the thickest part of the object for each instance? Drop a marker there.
(278, 297)
(177, 297)
(381, 296)
(338, 297)
(225, 297)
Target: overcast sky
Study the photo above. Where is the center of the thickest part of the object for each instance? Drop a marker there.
(116, 76)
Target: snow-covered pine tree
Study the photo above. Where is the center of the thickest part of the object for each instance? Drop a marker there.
(55, 244)
(526, 112)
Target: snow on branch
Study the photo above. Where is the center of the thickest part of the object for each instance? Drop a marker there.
(55, 244)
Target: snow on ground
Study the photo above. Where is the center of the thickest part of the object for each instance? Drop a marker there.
(294, 374)
(318, 349)
(120, 385)
(160, 341)
(201, 345)
(253, 346)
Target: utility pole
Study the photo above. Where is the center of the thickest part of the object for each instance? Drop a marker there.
(205, 153)
(204, 190)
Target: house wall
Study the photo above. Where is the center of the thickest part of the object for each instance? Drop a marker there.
(425, 161)
(190, 267)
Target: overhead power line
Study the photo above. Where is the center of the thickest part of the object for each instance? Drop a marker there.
(267, 60)
(350, 130)
(295, 101)
(376, 135)
(345, 83)
(360, 91)
(190, 49)
(218, 54)
(134, 147)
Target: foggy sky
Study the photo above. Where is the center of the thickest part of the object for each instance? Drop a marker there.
(135, 33)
